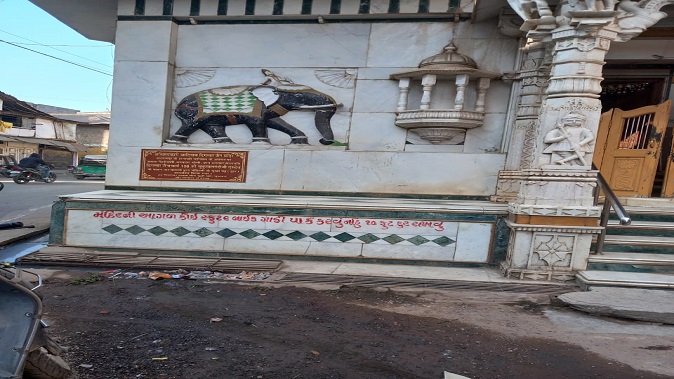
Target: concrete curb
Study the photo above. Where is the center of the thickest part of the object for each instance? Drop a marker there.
(630, 303)
(17, 237)
(40, 218)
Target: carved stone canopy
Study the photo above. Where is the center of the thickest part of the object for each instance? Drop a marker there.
(443, 125)
(447, 64)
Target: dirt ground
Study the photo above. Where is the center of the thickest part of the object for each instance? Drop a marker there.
(141, 328)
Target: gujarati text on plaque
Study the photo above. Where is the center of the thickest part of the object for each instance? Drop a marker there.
(194, 165)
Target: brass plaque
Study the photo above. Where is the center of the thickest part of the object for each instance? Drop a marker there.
(194, 165)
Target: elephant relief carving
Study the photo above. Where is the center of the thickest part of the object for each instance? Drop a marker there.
(259, 107)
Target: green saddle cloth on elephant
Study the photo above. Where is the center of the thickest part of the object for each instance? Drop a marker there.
(229, 100)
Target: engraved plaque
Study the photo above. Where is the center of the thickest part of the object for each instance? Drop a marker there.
(194, 165)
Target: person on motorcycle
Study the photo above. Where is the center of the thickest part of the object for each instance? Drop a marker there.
(35, 162)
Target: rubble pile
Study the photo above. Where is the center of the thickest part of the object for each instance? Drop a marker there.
(185, 274)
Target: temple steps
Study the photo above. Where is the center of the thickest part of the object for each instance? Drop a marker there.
(637, 255)
(624, 279)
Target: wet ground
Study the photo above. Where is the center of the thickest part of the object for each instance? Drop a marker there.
(140, 328)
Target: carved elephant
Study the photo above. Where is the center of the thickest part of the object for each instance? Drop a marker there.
(257, 106)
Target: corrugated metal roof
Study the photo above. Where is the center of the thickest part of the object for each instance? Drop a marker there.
(11, 106)
(86, 117)
(70, 146)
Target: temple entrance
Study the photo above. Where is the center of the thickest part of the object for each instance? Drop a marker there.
(629, 145)
(634, 139)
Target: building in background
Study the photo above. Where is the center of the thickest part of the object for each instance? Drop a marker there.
(26, 130)
(92, 128)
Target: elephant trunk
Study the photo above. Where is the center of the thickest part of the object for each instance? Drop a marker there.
(323, 125)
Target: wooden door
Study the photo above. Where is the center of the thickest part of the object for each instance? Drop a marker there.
(668, 182)
(628, 148)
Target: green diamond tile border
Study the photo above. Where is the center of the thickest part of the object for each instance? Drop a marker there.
(320, 236)
(157, 230)
(180, 231)
(135, 229)
(112, 229)
(226, 233)
(368, 238)
(296, 235)
(203, 232)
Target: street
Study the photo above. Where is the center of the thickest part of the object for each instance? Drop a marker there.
(129, 326)
(18, 200)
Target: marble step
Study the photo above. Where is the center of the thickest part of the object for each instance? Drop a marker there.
(591, 278)
(641, 225)
(641, 228)
(633, 259)
(666, 242)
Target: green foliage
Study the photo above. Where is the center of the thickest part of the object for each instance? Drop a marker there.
(91, 278)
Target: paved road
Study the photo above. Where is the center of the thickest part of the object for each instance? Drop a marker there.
(18, 200)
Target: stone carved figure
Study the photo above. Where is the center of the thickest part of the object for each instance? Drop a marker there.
(532, 9)
(570, 141)
(637, 17)
(259, 107)
(593, 5)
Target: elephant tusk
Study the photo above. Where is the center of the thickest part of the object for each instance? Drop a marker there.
(313, 107)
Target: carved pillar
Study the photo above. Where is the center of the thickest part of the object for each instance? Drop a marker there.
(533, 76)
(553, 219)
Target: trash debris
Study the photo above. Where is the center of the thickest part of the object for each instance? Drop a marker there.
(104, 312)
(216, 319)
(160, 359)
(315, 353)
(14, 225)
(211, 349)
(184, 274)
(159, 275)
(84, 365)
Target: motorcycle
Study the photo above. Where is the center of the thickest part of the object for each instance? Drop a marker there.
(25, 349)
(28, 174)
(10, 171)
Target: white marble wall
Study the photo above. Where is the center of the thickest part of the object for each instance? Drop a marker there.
(284, 235)
(379, 157)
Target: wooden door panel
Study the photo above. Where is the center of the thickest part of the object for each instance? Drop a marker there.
(602, 137)
(625, 178)
(630, 155)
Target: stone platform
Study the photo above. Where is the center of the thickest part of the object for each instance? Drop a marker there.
(358, 228)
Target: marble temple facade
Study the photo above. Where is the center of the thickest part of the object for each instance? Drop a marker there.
(434, 132)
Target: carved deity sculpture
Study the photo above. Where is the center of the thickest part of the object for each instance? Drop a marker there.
(533, 10)
(570, 141)
(593, 5)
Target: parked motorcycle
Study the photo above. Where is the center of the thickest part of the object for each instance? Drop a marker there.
(10, 171)
(30, 174)
(25, 349)
(7, 165)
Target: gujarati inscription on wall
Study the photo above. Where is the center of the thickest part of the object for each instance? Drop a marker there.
(194, 165)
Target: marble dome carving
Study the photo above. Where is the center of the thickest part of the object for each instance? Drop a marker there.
(441, 123)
